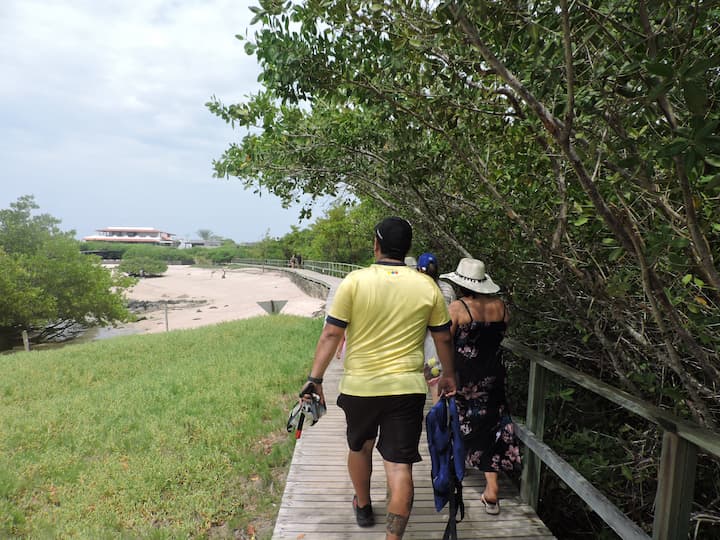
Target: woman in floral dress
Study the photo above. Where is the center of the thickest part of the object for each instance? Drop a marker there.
(479, 321)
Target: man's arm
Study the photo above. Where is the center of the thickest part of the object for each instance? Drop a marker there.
(444, 346)
(324, 351)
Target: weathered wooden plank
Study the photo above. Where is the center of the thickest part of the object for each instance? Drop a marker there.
(701, 437)
(611, 514)
(409, 535)
(535, 419)
(318, 492)
(676, 487)
(378, 533)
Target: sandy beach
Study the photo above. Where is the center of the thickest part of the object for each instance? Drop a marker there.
(202, 296)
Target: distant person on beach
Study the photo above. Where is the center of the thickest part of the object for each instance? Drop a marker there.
(427, 263)
(384, 311)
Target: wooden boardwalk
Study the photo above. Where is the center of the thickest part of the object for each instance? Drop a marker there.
(317, 502)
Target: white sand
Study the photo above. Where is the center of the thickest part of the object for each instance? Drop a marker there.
(234, 297)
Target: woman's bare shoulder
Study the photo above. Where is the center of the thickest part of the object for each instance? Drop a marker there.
(458, 312)
(495, 309)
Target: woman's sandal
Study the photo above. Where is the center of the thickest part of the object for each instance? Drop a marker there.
(490, 508)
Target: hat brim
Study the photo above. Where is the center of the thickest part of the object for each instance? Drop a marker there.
(486, 286)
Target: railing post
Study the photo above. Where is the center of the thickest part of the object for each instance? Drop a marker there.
(535, 422)
(676, 486)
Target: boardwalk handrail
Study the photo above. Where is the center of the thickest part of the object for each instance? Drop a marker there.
(329, 268)
(678, 458)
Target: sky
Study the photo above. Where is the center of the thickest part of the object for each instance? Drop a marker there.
(103, 117)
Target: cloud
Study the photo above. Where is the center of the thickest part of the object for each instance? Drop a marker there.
(104, 102)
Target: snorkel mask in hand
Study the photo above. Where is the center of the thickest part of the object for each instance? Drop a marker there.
(306, 409)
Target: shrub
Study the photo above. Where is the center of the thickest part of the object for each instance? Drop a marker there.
(142, 266)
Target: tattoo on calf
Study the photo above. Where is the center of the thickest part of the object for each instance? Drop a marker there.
(396, 524)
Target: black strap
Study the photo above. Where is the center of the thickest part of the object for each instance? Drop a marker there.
(456, 505)
(459, 502)
(456, 502)
(450, 530)
(451, 527)
(471, 317)
(468, 310)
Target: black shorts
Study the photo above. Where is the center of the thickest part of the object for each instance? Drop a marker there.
(399, 419)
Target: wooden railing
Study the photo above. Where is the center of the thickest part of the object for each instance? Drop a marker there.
(676, 471)
(328, 268)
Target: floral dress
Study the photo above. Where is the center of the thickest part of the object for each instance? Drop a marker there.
(485, 423)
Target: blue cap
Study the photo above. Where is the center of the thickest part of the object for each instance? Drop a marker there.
(425, 260)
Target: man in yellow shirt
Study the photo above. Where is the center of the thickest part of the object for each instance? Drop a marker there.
(384, 311)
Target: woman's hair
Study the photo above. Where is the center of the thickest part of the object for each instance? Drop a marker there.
(466, 292)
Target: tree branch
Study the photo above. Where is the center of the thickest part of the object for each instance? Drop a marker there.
(569, 72)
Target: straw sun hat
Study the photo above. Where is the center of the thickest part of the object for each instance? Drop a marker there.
(471, 275)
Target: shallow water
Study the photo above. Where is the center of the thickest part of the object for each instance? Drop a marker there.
(94, 334)
(91, 334)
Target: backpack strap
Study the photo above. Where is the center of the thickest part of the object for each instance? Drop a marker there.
(456, 505)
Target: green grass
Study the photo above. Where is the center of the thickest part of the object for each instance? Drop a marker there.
(158, 436)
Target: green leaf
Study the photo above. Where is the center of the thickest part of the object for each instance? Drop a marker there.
(699, 282)
(661, 88)
(707, 128)
(713, 160)
(608, 241)
(658, 68)
(250, 48)
(615, 254)
(582, 220)
(695, 96)
(626, 472)
(687, 278)
(677, 146)
(534, 32)
(701, 66)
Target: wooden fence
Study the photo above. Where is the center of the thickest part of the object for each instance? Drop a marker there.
(676, 473)
(327, 268)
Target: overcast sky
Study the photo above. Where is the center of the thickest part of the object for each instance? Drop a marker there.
(102, 114)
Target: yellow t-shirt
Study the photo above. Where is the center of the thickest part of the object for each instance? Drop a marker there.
(386, 310)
